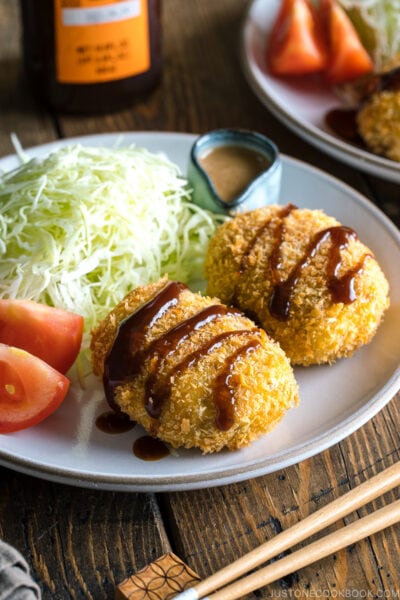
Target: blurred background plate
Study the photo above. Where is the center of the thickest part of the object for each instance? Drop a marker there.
(300, 103)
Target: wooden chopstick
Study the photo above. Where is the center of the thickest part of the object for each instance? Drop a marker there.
(325, 516)
(382, 518)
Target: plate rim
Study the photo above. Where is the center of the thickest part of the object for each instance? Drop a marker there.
(240, 472)
(202, 480)
(334, 146)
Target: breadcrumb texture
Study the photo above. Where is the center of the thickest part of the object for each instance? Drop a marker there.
(317, 330)
(378, 122)
(262, 380)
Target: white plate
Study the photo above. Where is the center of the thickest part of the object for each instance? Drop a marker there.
(302, 103)
(336, 400)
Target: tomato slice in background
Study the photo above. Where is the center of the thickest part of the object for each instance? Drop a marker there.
(296, 45)
(348, 59)
(52, 334)
(30, 390)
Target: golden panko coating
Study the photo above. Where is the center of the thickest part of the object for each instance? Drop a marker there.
(378, 123)
(197, 374)
(307, 280)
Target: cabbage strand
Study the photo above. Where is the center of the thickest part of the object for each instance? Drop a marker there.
(82, 227)
(378, 24)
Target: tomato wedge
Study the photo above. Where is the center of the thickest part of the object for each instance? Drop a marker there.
(30, 390)
(52, 334)
(296, 45)
(348, 59)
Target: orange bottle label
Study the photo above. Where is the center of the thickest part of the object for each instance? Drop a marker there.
(101, 40)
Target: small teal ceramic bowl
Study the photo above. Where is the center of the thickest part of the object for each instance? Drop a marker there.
(234, 170)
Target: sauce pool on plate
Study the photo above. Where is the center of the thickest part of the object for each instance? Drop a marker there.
(343, 122)
(111, 421)
(149, 448)
(145, 447)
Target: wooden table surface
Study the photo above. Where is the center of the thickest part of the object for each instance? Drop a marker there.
(80, 543)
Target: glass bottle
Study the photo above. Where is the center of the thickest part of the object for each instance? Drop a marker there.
(91, 56)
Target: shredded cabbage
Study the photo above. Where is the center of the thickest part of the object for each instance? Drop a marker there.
(83, 226)
(378, 24)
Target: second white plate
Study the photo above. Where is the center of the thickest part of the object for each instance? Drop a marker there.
(302, 103)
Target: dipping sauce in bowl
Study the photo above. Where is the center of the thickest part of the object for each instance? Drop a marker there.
(233, 170)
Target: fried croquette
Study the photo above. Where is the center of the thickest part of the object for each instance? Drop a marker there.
(193, 372)
(378, 118)
(303, 277)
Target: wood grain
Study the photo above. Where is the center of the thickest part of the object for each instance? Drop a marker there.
(79, 542)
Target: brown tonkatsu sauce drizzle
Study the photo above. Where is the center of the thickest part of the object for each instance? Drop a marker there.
(168, 343)
(341, 288)
(121, 361)
(224, 391)
(127, 356)
(161, 390)
(279, 233)
(275, 257)
(111, 421)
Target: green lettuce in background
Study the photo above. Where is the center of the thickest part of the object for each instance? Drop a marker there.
(378, 24)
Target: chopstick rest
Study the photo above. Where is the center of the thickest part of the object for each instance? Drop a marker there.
(325, 516)
(166, 577)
